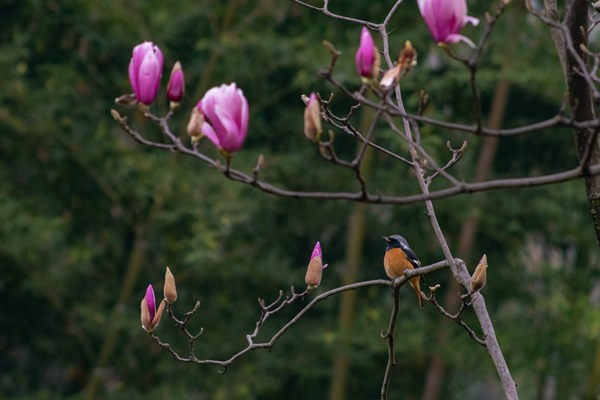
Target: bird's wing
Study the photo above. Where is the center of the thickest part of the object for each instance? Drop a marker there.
(412, 257)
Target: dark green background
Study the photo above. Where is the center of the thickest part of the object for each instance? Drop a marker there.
(88, 217)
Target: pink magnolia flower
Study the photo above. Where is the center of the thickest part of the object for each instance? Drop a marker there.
(314, 272)
(176, 85)
(145, 71)
(366, 55)
(225, 112)
(445, 19)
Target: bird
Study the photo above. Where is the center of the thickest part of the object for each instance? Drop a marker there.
(398, 258)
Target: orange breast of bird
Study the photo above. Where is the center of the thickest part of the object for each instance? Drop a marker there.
(395, 263)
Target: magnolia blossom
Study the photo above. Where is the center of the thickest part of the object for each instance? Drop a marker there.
(145, 71)
(445, 19)
(176, 85)
(150, 316)
(312, 117)
(314, 272)
(225, 117)
(367, 57)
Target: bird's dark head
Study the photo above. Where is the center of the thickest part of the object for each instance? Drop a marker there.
(395, 241)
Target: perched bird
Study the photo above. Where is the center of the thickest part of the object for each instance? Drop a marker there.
(398, 258)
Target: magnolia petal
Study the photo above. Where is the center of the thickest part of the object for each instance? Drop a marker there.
(226, 115)
(145, 315)
(156, 319)
(150, 301)
(471, 20)
(460, 38)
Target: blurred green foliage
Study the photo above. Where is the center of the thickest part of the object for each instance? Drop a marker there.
(89, 217)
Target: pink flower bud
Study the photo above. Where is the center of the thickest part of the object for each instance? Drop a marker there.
(225, 112)
(314, 272)
(150, 302)
(445, 19)
(367, 56)
(145, 71)
(176, 85)
(149, 315)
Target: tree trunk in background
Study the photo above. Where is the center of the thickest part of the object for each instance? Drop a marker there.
(352, 259)
(580, 101)
(437, 368)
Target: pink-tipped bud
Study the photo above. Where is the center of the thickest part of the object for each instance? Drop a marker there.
(312, 118)
(445, 19)
(367, 56)
(150, 302)
(150, 316)
(169, 289)
(145, 71)
(314, 272)
(176, 85)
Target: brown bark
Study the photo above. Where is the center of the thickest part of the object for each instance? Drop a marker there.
(580, 101)
(588, 147)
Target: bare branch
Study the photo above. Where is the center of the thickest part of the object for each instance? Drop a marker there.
(456, 317)
(268, 310)
(459, 188)
(389, 335)
(325, 11)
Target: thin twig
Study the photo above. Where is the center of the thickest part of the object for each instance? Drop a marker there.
(456, 318)
(389, 335)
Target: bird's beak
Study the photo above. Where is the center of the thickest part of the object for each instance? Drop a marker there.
(387, 239)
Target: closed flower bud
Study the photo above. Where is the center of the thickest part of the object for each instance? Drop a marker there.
(480, 275)
(169, 289)
(445, 19)
(367, 57)
(312, 118)
(314, 272)
(407, 59)
(150, 317)
(194, 127)
(176, 85)
(145, 71)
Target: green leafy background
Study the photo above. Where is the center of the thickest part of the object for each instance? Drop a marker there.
(88, 217)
